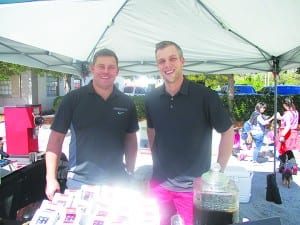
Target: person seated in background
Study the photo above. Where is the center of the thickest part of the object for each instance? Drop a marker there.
(241, 144)
(246, 136)
(269, 141)
(236, 142)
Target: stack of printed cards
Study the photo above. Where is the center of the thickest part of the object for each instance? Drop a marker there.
(98, 205)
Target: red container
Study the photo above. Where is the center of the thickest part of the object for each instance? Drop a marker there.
(21, 130)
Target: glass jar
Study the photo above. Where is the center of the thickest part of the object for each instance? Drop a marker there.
(216, 199)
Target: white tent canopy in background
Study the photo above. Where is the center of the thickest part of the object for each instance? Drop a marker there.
(216, 36)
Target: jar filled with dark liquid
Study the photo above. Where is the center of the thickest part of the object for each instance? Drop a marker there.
(216, 199)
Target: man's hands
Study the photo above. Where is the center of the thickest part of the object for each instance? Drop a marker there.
(52, 186)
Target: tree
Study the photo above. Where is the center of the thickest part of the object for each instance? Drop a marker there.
(230, 93)
(67, 79)
(213, 81)
(9, 69)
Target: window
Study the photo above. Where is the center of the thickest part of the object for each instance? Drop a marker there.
(52, 86)
(77, 83)
(140, 91)
(128, 90)
(5, 87)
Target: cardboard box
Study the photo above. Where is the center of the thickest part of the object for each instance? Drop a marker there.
(243, 180)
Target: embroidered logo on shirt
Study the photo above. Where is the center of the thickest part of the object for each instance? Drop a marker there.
(120, 110)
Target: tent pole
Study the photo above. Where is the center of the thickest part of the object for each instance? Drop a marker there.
(272, 193)
(275, 74)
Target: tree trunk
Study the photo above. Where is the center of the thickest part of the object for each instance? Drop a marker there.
(67, 79)
(231, 95)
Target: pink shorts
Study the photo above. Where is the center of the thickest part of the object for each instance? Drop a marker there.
(171, 203)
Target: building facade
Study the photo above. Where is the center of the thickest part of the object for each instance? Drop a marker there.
(30, 88)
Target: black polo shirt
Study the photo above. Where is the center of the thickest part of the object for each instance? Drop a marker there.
(98, 132)
(183, 132)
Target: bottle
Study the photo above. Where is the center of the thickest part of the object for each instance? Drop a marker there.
(216, 199)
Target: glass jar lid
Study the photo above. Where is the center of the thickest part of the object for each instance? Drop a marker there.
(214, 179)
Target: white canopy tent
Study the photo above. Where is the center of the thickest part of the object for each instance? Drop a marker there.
(216, 36)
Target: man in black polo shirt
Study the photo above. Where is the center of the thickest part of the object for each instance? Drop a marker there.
(181, 116)
(103, 123)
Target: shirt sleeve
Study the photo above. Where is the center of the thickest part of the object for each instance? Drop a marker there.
(261, 120)
(218, 114)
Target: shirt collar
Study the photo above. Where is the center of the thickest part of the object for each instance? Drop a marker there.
(183, 89)
(91, 90)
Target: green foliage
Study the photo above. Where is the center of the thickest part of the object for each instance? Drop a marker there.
(212, 81)
(243, 105)
(9, 69)
(139, 101)
(257, 80)
(57, 102)
(260, 80)
(42, 72)
(288, 77)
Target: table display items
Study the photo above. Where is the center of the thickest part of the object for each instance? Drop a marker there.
(98, 205)
(216, 199)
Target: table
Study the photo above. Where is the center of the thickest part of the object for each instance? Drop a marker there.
(9, 222)
(22, 187)
(105, 204)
